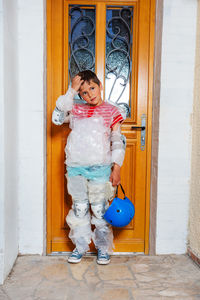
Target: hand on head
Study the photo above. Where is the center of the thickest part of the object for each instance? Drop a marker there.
(76, 82)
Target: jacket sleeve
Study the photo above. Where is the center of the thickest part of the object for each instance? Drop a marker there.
(65, 102)
(63, 107)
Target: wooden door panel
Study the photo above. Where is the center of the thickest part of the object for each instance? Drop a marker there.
(134, 237)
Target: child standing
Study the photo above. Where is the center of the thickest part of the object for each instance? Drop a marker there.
(94, 155)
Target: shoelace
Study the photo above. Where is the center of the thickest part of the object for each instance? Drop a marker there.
(103, 254)
(75, 252)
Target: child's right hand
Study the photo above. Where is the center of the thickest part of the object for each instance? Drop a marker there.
(76, 82)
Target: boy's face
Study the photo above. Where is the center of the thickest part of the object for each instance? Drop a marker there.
(91, 93)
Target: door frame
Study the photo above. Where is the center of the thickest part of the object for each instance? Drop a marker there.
(155, 33)
(155, 123)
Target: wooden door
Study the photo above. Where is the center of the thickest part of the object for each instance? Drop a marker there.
(136, 168)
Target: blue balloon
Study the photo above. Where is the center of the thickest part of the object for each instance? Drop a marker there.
(120, 212)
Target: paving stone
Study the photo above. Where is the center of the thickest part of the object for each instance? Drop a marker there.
(128, 283)
(91, 276)
(154, 298)
(156, 259)
(114, 272)
(140, 277)
(139, 268)
(156, 285)
(120, 259)
(82, 292)
(172, 293)
(185, 289)
(117, 294)
(19, 293)
(49, 290)
(3, 296)
(78, 270)
(55, 272)
(140, 294)
(148, 277)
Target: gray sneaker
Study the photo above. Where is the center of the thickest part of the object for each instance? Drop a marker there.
(75, 257)
(103, 258)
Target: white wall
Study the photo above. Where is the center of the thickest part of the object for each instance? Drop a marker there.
(31, 125)
(1, 150)
(22, 132)
(8, 137)
(194, 218)
(177, 81)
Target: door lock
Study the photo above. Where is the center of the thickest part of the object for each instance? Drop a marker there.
(143, 131)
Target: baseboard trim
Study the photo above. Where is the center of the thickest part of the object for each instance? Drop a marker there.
(193, 256)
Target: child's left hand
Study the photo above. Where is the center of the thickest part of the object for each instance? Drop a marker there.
(115, 177)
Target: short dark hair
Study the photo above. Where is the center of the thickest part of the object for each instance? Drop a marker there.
(88, 75)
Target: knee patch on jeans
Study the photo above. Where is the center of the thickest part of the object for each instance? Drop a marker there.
(80, 208)
(98, 209)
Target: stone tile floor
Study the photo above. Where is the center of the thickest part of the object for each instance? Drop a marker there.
(126, 277)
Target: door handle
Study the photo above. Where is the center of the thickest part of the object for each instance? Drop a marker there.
(138, 127)
(143, 131)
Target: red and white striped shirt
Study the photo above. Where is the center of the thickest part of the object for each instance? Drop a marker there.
(109, 112)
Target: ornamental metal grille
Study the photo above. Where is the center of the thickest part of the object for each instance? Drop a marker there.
(81, 38)
(119, 29)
